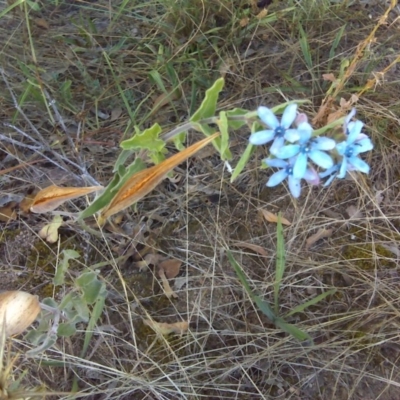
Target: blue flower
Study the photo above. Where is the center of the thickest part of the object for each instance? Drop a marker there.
(279, 130)
(286, 171)
(356, 143)
(307, 147)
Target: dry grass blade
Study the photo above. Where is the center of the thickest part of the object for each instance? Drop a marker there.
(143, 182)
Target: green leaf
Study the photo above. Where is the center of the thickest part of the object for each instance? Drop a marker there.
(311, 302)
(63, 266)
(96, 314)
(209, 104)
(223, 128)
(236, 112)
(280, 261)
(262, 305)
(148, 139)
(80, 305)
(244, 159)
(90, 285)
(66, 329)
(294, 331)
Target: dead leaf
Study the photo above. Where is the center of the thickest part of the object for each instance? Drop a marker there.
(42, 23)
(171, 267)
(50, 231)
(321, 234)
(7, 213)
(53, 196)
(254, 247)
(353, 212)
(115, 113)
(244, 22)
(143, 182)
(26, 203)
(167, 288)
(262, 14)
(271, 217)
(329, 77)
(165, 328)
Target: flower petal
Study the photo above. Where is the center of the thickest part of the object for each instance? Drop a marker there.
(292, 135)
(354, 129)
(321, 158)
(268, 117)
(277, 145)
(311, 176)
(289, 115)
(323, 143)
(358, 165)
(300, 166)
(305, 131)
(287, 151)
(294, 186)
(276, 162)
(277, 178)
(343, 169)
(341, 148)
(261, 137)
(360, 146)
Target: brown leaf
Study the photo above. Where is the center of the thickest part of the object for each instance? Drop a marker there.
(171, 267)
(271, 217)
(143, 182)
(53, 196)
(165, 328)
(42, 23)
(115, 113)
(254, 247)
(7, 213)
(321, 234)
(329, 77)
(167, 288)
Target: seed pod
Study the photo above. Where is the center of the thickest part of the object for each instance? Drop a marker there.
(17, 311)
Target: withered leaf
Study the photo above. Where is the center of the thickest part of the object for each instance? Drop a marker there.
(7, 213)
(50, 198)
(321, 234)
(143, 182)
(171, 267)
(165, 328)
(251, 246)
(50, 231)
(271, 217)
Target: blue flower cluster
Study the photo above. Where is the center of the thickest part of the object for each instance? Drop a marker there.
(295, 148)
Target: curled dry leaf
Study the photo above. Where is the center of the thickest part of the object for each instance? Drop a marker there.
(50, 231)
(271, 217)
(165, 328)
(171, 267)
(53, 196)
(354, 212)
(143, 182)
(321, 234)
(254, 247)
(17, 311)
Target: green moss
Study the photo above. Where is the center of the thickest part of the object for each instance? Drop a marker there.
(367, 255)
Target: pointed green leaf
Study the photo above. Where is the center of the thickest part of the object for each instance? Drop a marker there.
(90, 285)
(209, 104)
(313, 301)
(294, 331)
(280, 261)
(236, 112)
(244, 159)
(63, 266)
(66, 329)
